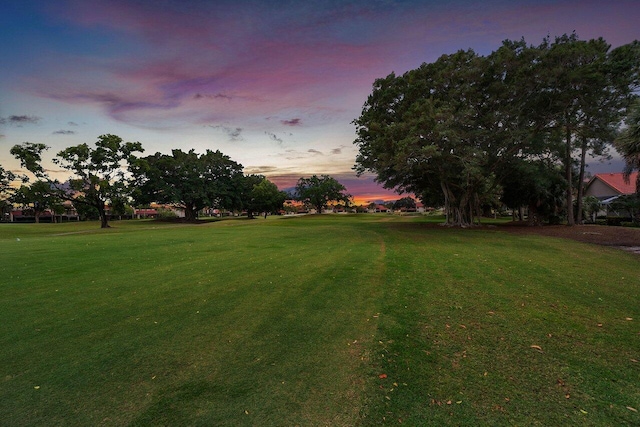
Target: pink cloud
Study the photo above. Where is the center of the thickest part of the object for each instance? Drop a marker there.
(199, 52)
(292, 122)
(209, 61)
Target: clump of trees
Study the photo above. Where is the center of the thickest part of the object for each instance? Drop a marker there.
(97, 173)
(6, 190)
(319, 191)
(628, 143)
(38, 198)
(404, 203)
(110, 174)
(188, 179)
(262, 195)
(459, 130)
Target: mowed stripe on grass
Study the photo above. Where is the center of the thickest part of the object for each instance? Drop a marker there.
(318, 320)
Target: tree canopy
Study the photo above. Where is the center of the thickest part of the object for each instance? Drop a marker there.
(98, 174)
(189, 179)
(6, 178)
(404, 203)
(447, 130)
(319, 191)
(263, 196)
(628, 143)
(38, 197)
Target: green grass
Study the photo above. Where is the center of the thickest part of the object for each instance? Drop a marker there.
(318, 320)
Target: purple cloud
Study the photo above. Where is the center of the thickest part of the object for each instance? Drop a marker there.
(292, 122)
(20, 120)
(275, 138)
(64, 132)
(234, 134)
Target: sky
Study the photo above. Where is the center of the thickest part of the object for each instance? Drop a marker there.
(275, 84)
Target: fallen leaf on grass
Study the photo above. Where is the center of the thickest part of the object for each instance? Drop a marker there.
(632, 409)
(37, 387)
(537, 347)
(382, 376)
(628, 318)
(583, 411)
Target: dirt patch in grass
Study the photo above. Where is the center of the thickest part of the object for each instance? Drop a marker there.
(622, 237)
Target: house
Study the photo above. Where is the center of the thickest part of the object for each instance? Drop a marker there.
(606, 186)
(145, 213)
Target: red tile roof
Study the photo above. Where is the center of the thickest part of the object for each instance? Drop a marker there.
(617, 182)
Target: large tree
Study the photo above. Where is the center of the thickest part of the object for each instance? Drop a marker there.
(404, 203)
(189, 179)
(539, 185)
(98, 174)
(434, 131)
(628, 144)
(447, 130)
(263, 196)
(38, 198)
(584, 90)
(6, 190)
(319, 191)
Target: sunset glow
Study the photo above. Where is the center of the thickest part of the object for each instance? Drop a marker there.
(273, 86)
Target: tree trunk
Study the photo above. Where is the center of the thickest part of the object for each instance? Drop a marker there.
(567, 160)
(190, 212)
(458, 214)
(104, 221)
(583, 157)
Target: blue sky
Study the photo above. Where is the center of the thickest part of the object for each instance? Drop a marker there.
(274, 85)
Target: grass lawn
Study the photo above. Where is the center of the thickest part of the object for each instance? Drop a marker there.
(339, 320)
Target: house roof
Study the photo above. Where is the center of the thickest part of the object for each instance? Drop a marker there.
(616, 181)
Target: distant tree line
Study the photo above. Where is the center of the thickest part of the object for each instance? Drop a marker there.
(513, 127)
(112, 173)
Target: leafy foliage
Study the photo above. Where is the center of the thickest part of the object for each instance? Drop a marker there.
(6, 178)
(447, 130)
(98, 174)
(264, 196)
(37, 197)
(538, 185)
(628, 143)
(628, 205)
(191, 180)
(404, 203)
(319, 191)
